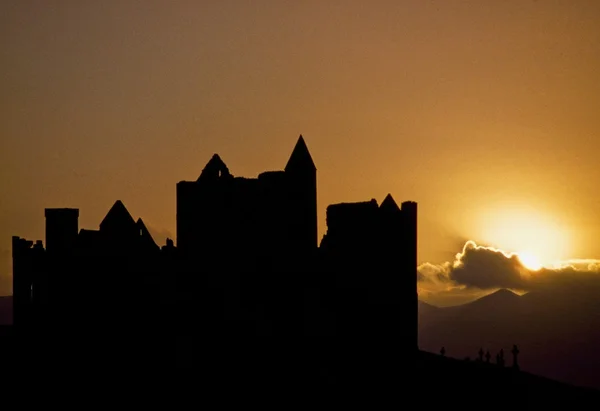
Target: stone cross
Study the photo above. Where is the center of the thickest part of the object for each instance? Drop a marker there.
(515, 353)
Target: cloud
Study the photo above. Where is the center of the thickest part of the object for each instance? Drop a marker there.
(479, 268)
(432, 273)
(486, 267)
(566, 277)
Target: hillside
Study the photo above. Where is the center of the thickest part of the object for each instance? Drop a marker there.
(557, 336)
(429, 380)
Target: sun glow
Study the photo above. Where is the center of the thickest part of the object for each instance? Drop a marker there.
(538, 240)
(529, 261)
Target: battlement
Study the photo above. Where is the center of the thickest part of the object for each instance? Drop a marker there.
(19, 245)
(363, 215)
(354, 206)
(347, 216)
(61, 212)
(272, 176)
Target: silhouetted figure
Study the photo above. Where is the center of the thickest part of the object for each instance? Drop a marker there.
(501, 358)
(443, 352)
(515, 353)
(487, 356)
(480, 358)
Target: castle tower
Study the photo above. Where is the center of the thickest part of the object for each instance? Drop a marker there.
(391, 253)
(301, 174)
(62, 227)
(409, 268)
(118, 221)
(119, 230)
(28, 268)
(204, 209)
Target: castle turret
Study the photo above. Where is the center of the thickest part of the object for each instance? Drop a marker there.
(28, 267)
(146, 242)
(301, 173)
(118, 221)
(409, 266)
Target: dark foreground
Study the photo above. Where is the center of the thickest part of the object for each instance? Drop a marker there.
(240, 370)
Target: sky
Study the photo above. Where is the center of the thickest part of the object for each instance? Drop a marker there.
(484, 112)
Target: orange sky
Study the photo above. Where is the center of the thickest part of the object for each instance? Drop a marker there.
(470, 108)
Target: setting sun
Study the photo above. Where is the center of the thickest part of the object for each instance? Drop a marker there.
(537, 239)
(529, 261)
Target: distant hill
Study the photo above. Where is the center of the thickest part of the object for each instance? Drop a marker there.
(6, 310)
(448, 379)
(557, 331)
(347, 376)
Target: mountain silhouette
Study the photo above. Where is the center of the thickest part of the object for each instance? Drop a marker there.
(500, 297)
(557, 331)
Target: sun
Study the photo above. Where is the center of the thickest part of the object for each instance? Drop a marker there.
(529, 261)
(538, 239)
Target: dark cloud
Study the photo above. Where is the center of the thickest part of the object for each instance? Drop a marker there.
(485, 268)
(572, 278)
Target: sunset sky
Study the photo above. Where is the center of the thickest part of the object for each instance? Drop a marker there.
(484, 112)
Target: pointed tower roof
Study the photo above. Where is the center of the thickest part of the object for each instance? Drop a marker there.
(389, 204)
(117, 217)
(145, 235)
(300, 158)
(140, 224)
(215, 168)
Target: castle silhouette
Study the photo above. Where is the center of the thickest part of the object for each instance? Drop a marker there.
(246, 266)
(246, 298)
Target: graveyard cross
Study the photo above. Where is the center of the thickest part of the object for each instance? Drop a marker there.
(515, 353)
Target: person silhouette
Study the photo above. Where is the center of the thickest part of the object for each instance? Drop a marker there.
(481, 354)
(443, 352)
(487, 356)
(515, 353)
